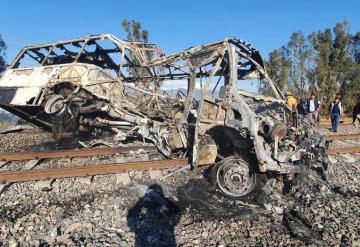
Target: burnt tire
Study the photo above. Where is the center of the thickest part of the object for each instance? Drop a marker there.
(235, 178)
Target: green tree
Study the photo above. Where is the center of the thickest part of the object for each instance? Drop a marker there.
(327, 62)
(332, 60)
(278, 68)
(321, 43)
(351, 87)
(290, 65)
(2, 55)
(355, 48)
(134, 31)
(298, 54)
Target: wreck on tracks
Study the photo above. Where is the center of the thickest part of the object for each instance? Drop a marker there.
(100, 83)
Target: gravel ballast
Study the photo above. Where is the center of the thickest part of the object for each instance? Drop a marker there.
(182, 210)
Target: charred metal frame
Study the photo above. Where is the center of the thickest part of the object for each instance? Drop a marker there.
(132, 102)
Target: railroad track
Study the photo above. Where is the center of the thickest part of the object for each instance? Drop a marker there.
(83, 171)
(338, 150)
(346, 139)
(84, 152)
(47, 174)
(343, 137)
(54, 173)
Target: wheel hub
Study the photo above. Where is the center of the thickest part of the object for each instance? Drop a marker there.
(235, 177)
(55, 104)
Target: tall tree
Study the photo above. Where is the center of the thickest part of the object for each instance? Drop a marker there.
(332, 61)
(327, 62)
(134, 31)
(355, 48)
(278, 68)
(298, 54)
(351, 88)
(2, 55)
(321, 43)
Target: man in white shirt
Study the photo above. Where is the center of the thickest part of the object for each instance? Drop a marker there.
(313, 106)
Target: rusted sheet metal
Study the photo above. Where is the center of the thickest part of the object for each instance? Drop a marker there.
(54, 154)
(338, 150)
(44, 174)
(342, 137)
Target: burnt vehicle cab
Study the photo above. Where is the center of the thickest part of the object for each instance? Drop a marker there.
(102, 83)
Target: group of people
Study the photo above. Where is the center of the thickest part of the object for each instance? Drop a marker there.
(311, 108)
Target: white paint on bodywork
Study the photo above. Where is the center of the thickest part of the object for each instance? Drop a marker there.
(28, 82)
(24, 94)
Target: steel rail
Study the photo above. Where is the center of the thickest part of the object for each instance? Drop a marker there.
(52, 173)
(52, 154)
(342, 137)
(349, 149)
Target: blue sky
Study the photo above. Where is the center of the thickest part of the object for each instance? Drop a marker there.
(173, 25)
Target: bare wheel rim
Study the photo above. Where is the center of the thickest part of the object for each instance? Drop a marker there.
(235, 177)
(55, 104)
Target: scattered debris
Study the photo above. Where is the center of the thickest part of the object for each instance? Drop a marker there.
(332, 159)
(39, 185)
(122, 178)
(154, 174)
(348, 158)
(300, 226)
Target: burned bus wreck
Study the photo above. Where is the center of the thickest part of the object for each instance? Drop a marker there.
(100, 83)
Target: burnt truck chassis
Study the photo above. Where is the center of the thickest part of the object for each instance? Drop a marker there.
(88, 90)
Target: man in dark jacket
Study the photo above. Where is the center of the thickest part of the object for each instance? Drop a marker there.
(356, 112)
(335, 112)
(302, 108)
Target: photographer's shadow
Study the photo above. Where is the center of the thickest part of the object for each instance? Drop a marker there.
(153, 219)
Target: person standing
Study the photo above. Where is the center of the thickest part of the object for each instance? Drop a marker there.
(335, 112)
(292, 103)
(318, 111)
(356, 112)
(312, 105)
(302, 108)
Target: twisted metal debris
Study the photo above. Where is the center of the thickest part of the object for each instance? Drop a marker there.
(100, 83)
